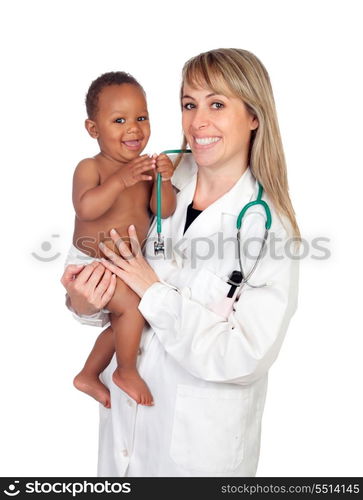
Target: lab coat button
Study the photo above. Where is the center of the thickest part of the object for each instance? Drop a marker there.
(125, 453)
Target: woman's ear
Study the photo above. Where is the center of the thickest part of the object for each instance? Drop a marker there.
(91, 128)
(254, 122)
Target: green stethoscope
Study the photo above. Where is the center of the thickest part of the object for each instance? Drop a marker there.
(237, 277)
(159, 244)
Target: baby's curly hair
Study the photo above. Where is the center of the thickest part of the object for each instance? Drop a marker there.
(111, 78)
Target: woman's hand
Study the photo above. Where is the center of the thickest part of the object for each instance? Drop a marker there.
(131, 267)
(89, 287)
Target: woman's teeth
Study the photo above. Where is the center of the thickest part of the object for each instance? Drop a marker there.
(203, 141)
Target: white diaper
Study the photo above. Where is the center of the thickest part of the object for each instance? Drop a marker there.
(102, 318)
(76, 256)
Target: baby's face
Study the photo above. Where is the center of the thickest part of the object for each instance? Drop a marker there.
(122, 122)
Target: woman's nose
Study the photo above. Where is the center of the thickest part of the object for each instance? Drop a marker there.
(200, 118)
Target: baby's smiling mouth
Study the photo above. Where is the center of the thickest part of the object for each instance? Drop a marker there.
(134, 144)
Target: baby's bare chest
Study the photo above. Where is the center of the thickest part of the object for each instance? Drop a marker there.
(135, 198)
(130, 207)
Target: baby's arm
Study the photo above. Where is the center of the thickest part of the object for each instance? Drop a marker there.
(91, 199)
(165, 167)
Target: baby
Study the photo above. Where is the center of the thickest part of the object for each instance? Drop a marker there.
(114, 189)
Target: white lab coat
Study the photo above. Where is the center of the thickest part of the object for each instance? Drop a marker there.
(207, 374)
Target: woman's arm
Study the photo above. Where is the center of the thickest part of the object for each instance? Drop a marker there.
(238, 350)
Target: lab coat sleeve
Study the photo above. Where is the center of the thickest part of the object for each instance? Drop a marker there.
(100, 319)
(241, 349)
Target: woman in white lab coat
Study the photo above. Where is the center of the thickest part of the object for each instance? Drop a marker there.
(205, 366)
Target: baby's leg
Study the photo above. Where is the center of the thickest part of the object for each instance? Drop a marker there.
(88, 378)
(127, 325)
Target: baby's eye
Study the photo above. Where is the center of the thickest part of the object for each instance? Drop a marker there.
(188, 105)
(217, 105)
(120, 120)
(142, 118)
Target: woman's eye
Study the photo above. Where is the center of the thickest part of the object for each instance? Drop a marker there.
(188, 105)
(217, 105)
(120, 120)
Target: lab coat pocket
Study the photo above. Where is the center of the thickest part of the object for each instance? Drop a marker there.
(209, 428)
(208, 289)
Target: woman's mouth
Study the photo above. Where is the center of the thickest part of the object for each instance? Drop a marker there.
(133, 145)
(205, 142)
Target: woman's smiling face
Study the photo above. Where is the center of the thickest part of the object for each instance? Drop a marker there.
(217, 127)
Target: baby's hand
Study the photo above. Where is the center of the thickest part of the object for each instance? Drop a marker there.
(164, 166)
(135, 170)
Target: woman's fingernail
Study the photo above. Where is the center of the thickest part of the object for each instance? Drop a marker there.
(112, 231)
(101, 245)
(132, 227)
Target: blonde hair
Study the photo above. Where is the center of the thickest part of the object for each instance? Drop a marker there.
(241, 73)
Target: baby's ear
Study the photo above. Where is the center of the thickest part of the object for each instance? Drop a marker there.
(91, 128)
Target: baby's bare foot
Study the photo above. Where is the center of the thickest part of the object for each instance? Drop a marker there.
(91, 385)
(130, 382)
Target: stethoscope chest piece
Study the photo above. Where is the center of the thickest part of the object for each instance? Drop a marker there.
(159, 247)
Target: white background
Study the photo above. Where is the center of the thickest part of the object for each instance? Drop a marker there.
(51, 51)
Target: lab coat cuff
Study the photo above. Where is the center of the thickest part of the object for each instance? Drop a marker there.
(100, 318)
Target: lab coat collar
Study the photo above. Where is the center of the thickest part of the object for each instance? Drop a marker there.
(211, 220)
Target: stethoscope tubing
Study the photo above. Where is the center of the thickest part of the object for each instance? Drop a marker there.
(158, 187)
(258, 201)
